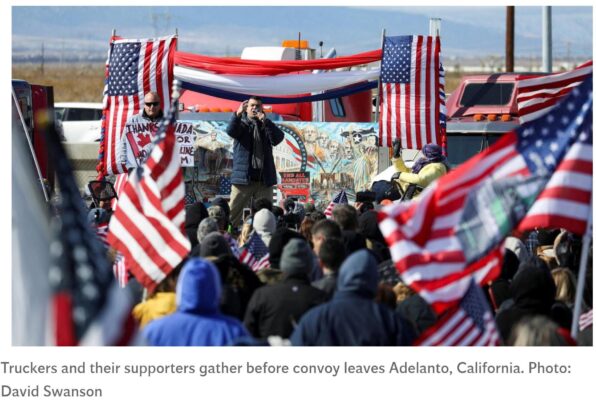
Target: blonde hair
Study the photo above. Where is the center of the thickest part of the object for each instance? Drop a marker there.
(566, 283)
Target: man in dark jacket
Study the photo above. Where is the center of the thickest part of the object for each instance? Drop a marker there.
(253, 173)
(275, 310)
(352, 318)
(197, 320)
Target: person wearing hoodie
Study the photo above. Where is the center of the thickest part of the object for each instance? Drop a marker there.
(533, 291)
(274, 310)
(197, 320)
(352, 318)
(264, 223)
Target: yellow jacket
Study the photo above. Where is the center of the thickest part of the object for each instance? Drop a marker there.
(423, 178)
(160, 305)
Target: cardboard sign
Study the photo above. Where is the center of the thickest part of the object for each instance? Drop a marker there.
(139, 142)
(185, 139)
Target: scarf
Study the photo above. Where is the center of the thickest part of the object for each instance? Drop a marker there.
(258, 156)
(432, 154)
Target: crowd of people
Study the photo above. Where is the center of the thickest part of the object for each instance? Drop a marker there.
(331, 282)
(314, 280)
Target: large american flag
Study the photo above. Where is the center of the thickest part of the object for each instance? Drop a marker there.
(147, 225)
(537, 95)
(539, 175)
(470, 324)
(410, 101)
(255, 253)
(134, 68)
(340, 198)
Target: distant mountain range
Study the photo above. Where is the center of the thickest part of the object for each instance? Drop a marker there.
(71, 34)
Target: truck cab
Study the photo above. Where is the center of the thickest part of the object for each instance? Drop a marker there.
(479, 111)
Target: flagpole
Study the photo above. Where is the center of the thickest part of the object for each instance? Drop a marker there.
(581, 279)
(379, 84)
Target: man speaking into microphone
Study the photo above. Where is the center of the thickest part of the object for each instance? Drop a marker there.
(253, 173)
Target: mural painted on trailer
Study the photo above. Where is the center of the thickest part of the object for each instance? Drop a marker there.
(336, 155)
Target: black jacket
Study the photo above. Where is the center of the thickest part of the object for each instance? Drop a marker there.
(240, 131)
(275, 310)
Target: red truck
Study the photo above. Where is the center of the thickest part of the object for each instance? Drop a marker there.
(479, 111)
(36, 103)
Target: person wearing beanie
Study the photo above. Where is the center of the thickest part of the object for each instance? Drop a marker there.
(197, 320)
(221, 202)
(264, 223)
(206, 226)
(214, 245)
(352, 317)
(274, 310)
(278, 241)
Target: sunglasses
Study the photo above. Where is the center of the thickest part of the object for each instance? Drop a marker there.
(155, 103)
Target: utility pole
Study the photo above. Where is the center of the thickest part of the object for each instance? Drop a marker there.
(509, 40)
(547, 39)
(42, 57)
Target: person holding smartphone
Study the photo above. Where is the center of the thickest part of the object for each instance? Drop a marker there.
(253, 173)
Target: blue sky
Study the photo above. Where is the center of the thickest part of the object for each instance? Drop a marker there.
(466, 31)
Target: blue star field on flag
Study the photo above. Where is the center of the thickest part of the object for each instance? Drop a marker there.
(396, 63)
(123, 68)
(225, 186)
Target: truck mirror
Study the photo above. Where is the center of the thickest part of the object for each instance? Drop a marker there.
(102, 191)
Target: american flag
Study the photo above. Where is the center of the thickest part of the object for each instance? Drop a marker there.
(255, 253)
(233, 245)
(79, 273)
(147, 226)
(118, 186)
(340, 198)
(134, 68)
(539, 175)
(586, 320)
(225, 186)
(537, 95)
(470, 324)
(410, 101)
(102, 233)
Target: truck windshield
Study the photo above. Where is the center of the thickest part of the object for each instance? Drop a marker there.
(461, 148)
(486, 94)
